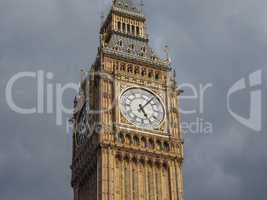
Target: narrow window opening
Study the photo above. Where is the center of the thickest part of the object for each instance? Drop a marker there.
(137, 31)
(143, 72)
(133, 29)
(119, 26)
(157, 76)
(150, 74)
(136, 71)
(128, 28)
(123, 27)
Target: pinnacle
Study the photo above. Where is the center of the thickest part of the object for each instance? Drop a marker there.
(131, 5)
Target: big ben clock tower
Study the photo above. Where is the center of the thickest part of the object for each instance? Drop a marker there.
(127, 142)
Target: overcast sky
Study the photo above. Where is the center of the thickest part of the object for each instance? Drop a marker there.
(211, 41)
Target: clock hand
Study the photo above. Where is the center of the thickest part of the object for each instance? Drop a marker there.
(142, 109)
(147, 103)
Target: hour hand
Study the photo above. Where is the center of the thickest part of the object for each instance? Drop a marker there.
(142, 109)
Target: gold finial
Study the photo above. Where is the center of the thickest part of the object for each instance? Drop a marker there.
(83, 74)
(102, 17)
(167, 51)
(142, 5)
(174, 74)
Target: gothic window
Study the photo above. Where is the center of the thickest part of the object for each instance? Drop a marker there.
(151, 144)
(115, 65)
(143, 49)
(119, 26)
(122, 67)
(130, 69)
(136, 140)
(133, 29)
(165, 166)
(132, 46)
(128, 139)
(150, 74)
(116, 48)
(157, 76)
(143, 72)
(137, 31)
(166, 146)
(123, 27)
(158, 145)
(136, 71)
(128, 28)
(143, 142)
(121, 138)
(120, 43)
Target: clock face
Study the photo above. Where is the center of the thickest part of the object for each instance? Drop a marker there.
(81, 135)
(142, 108)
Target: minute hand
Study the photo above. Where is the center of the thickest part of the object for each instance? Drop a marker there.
(147, 102)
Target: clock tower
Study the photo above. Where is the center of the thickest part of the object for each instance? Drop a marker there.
(127, 141)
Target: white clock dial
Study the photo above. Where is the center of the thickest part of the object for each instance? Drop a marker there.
(142, 108)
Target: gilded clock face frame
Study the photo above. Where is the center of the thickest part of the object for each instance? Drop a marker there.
(142, 108)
